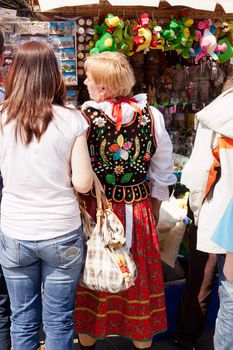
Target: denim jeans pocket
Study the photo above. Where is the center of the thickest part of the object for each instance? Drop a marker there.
(70, 249)
(10, 251)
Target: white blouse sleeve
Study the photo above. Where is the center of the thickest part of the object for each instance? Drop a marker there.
(161, 167)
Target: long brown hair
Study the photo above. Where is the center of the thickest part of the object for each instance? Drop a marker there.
(32, 85)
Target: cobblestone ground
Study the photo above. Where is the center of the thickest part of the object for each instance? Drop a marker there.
(118, 343)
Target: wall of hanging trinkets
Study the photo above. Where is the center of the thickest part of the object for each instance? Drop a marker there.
(169, 62)
(61, 36)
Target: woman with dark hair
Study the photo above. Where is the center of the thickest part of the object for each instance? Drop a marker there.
(5, 341)
(43, 157)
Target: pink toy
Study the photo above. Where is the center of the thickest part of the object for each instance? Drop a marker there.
(208, 42)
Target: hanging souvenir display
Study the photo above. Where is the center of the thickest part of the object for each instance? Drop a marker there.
(85, 33)
(179, 33)
(61, 36)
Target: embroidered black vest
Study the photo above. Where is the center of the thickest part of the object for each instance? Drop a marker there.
(121, 159)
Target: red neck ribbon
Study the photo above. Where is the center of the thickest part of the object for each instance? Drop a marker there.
(117, 109)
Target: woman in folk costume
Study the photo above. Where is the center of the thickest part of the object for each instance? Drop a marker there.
(209, 176)
(128, 145)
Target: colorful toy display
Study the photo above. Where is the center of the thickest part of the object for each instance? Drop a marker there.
(180, 33)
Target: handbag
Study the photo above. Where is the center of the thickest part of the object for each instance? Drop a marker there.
(109, 265)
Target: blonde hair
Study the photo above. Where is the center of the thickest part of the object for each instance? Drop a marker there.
(113, 70)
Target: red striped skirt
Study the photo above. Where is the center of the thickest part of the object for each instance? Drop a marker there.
(138, 313)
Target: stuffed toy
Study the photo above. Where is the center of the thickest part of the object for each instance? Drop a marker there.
(157, 41)
(186, 37)
(120, 32)
(118, 35)
(225, 34)
(208, 41)
(226, 55)
(226, 29)
(143, 22)
(106, 41)
(128, 39)
(111, 22)
(184, 34)
(143, 35)
(179, 35)
(170, 33)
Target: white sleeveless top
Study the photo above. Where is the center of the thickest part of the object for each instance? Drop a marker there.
(38, 200)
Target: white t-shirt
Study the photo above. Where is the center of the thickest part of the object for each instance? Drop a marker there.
(38, 200)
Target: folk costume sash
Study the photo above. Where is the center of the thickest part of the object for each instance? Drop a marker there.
(117, 109)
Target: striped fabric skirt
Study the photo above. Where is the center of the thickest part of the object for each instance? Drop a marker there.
(138, 313)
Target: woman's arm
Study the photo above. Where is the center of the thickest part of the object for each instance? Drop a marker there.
(82, 173)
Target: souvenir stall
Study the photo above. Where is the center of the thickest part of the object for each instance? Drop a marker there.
(181, 52)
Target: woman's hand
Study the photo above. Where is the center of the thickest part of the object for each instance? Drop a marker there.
(156, 204)
(228, 267)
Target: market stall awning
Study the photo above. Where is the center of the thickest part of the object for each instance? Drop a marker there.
(206, 5)
(14, 4)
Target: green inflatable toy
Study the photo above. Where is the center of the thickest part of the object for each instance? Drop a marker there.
(105, 43)
(225, 56)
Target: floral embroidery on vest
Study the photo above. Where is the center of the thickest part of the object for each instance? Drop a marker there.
(121, 159)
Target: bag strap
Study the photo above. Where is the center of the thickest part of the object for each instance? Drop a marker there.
(102, 203)
(101, 199)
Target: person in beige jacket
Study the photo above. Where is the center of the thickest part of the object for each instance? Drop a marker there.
(209, 176)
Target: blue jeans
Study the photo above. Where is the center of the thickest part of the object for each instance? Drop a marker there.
(5, 341)
(41, 278)
(223, 338)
